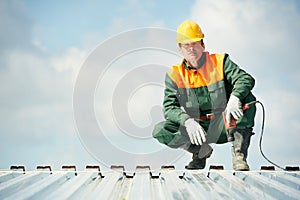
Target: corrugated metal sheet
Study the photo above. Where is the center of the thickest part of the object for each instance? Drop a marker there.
(142, 183)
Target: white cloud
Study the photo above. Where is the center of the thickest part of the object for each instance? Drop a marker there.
(37, 43)
(36, 104)
(70, 61)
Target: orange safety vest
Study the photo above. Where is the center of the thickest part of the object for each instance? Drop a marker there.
(201, 89)
(210, 73)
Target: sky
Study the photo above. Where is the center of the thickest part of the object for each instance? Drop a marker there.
(82, 81)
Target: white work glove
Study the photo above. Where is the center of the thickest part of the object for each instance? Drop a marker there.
(195, 131)
(234, 108)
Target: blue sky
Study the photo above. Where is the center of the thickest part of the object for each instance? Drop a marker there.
(72, 21)
(45, 43)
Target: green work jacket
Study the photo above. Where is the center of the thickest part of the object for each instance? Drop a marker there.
(193, 92)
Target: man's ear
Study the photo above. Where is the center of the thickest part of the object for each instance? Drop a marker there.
(202, 44)
(179, 50)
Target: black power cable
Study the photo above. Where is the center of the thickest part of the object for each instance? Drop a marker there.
(261, 134)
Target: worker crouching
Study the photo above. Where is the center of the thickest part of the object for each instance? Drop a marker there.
(197, 91)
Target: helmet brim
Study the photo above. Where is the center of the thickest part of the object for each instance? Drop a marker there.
(188, 40)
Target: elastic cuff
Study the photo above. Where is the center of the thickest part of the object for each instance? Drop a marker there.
(184, 117)
(236, 95)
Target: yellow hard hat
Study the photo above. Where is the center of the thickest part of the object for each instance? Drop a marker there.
(189, 31)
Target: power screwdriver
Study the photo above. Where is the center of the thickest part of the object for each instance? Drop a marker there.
(230, 126)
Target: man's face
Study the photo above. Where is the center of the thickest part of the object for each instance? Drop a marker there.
(192, 52)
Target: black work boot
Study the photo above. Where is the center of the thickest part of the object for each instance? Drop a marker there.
(240, 149)
(200, 154)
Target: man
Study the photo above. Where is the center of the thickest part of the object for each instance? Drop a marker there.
(197, 91)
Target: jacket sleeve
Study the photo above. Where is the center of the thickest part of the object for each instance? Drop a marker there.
(240, 82)
(171, 106)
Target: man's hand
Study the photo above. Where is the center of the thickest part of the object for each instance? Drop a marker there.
(234, 108)
(195, 131)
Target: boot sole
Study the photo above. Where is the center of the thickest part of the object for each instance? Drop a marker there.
(241, 167)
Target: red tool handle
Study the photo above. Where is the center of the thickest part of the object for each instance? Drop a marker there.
(232, 123)
(246, 106)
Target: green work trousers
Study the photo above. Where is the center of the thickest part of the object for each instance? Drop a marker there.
(175, 136)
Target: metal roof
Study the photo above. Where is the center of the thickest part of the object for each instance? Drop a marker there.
(143, 183)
